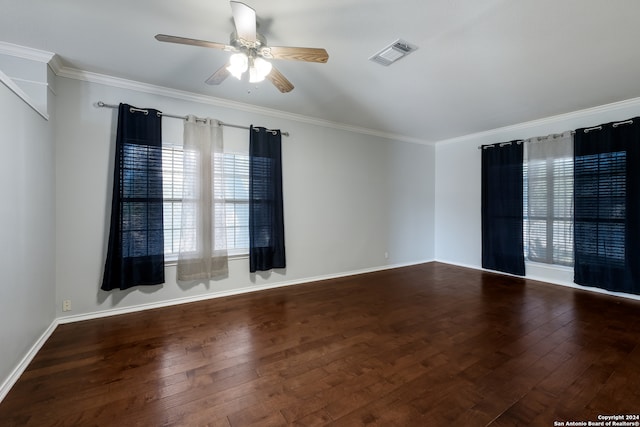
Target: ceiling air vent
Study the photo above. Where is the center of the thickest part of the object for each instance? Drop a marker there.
(396, 50)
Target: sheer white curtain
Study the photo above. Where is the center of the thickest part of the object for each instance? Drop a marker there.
(549, 199)
(203, 247)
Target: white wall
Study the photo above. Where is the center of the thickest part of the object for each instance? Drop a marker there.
(27, 256)
(349, 199)
(412, 189)
(457, 197)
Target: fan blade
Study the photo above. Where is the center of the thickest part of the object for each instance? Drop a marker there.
(219, 76)
(309, 54)
(279, 81)
(245, 20)
(192, 42)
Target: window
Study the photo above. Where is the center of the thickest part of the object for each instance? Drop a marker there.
(548, 201)
(235, 183)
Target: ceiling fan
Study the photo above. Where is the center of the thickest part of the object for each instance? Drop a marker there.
(250, 51)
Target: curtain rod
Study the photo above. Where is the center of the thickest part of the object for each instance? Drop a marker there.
(101, 104)
(555, 135)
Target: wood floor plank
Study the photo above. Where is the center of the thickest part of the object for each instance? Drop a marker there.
(431, 344)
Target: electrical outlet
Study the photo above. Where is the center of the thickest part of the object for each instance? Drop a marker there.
(66, 305)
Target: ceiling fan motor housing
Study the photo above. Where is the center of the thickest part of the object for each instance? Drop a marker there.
(242, 44)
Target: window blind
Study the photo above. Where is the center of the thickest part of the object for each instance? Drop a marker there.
(235, 181)
(172, 175)
(600, 208)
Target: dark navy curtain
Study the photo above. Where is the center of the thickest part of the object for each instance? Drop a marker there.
(502, 208)
(135, 253)
(607, 206)
(266, 213)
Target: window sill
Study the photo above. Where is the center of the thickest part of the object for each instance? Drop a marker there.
(543, 265)
(169, 262)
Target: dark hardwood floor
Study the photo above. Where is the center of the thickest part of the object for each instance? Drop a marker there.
(429, 345)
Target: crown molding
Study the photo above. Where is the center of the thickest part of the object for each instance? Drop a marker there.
(56, 64)
(25, 52)
(121, 83)
(633, 103)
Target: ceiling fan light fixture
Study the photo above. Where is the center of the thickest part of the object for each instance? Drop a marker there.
(238, 64)
(258, 70)
(254, 77)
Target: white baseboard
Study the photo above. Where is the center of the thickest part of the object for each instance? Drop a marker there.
(550, 280)
(237, 291)
(583, 288)
(458, 264)
(22, 366)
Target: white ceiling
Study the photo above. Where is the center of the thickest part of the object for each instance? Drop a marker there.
(480, 65)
